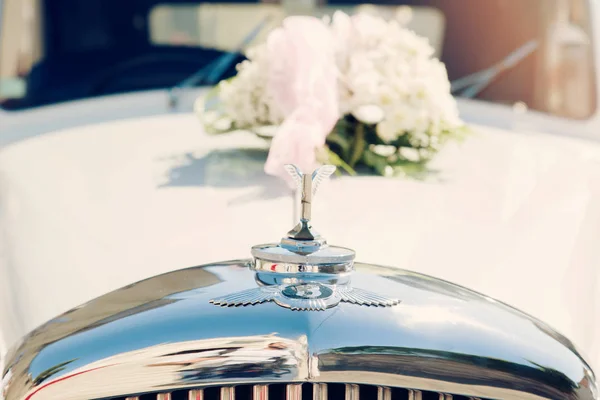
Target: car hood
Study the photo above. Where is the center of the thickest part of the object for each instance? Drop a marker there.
(512, 214)
(162, 334)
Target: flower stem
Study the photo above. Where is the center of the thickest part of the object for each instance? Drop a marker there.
(336, 160)
(347, 168)
(359, 144)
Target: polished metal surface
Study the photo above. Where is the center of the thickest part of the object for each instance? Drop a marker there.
(442, 338)
(303, 272)
(196, 395)
(293, 392)
(305, 296)
(302, 245)
(416, 395)
(308, 185)
(384, 393)
(352, 392)
(300, 391)
(318, 255)
(227, 393)
(302, 296)
(260, 392)
(320, 391)
(329, 270)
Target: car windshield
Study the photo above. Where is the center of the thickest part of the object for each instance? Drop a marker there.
(60, 50)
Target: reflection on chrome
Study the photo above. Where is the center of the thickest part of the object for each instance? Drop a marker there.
(162, 337)
(233, 359)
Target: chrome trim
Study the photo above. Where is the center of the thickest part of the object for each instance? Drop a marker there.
(302, 272)
(309, 296)
(384, 393)
(352, 392)
(196, 394)
(320, 391)
(325, 259)
(227, 393)
(260, 392)
(303, 250)
(441, 338)
(276, 278)
(293, 392)
(272, 267)
(415, 395)
(307, 185)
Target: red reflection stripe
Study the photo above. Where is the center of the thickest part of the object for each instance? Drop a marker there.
(62, 379)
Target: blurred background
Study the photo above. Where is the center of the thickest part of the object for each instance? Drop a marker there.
(59, 50)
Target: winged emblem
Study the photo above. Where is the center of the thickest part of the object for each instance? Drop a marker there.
(248, 297)
(307, 185)
(316, 178)
(295, 173)
(321, 174)
(309, 296)
(364, 297)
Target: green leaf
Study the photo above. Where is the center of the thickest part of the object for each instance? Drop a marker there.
(359, 144)
(337, 138)
(334, 159)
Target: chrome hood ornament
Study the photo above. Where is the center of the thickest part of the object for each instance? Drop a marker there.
(308, 185)
(303, 272)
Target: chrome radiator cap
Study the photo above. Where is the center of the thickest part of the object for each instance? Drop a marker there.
(303, 272)
(299, 312)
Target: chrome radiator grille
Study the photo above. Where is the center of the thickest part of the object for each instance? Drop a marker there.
(299, 391)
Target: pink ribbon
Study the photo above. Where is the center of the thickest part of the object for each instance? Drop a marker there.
(303, 84)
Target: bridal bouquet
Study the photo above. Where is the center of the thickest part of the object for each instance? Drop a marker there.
(349, 91)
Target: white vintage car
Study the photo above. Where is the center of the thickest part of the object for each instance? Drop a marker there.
(107, 177)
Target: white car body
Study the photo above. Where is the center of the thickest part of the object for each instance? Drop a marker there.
(99, 193)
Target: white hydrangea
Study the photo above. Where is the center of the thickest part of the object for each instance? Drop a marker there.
(245, 98)
(387, 76)
(386, 65)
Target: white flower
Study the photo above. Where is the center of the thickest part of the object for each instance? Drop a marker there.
(267, 131)
(209, 117)
(386, 131)
(387, 75)
(409, 154)
(383, 150)
(244, 98)
(368, 114)
(386, 65)
(223, 124)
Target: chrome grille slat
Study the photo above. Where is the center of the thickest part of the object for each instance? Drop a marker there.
(293, 392)
(352, 392)
(260, 392)
(196, 394)
(227, 393)
(384, 393)
(320, 391)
